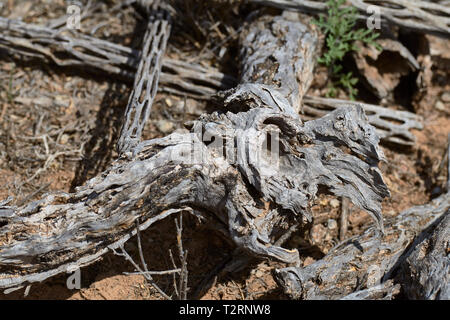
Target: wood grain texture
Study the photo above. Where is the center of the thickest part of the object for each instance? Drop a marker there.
(417, 15)
(69, 48)
(362, 261)
(181, 78)
(425, 272)
(254, 190)
(147, 77)
(392, 126)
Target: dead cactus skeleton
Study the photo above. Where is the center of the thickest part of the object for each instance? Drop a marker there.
(417, 15)
(254, 201)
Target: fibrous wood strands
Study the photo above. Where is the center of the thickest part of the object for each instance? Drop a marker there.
(419, 15)
(177, 77)
(254, 185)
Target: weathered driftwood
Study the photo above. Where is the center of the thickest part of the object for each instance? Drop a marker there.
(383, 81)
(362, 261)
(147, 77)
(68, 48)
(425, 273)
(392, 125)
(263, 183)
(418, 15)
(384, 291)
(176, 77)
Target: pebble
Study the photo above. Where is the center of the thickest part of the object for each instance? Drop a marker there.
(64, 139)
(164, 126)
(334, 203)
(259, 273)
(439, 105)
(168, 102)
(192, 108)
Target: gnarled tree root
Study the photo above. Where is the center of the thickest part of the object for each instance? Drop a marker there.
(254, 170)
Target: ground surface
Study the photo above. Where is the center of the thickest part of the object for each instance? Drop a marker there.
(58, 128)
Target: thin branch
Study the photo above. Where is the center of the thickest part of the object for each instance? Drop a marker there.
(147, 275)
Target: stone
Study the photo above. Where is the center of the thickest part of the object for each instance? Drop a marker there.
(334, 203)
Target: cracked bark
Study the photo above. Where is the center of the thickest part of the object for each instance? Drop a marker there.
(259, 182)
(177, 77)
(71, 49)
(417, 15)
(425, 273)
(147, 76)
(365, 260)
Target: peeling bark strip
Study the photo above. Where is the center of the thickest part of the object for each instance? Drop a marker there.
(147, 77)
(254, 202)
(392, 125)
(425, 273)
(385, 291)
(71, 49)
(362, 261)
(418, 15)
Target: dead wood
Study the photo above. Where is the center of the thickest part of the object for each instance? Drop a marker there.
(176, 76)
(68, 48)
(383, 70)
(266, 180)
(417, 15)
(425, 273)
(147, 77)
(362, 261)
(385, 291)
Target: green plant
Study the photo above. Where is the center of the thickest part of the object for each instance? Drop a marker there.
(340, 38)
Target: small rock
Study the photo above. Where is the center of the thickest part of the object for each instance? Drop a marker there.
(178, 107)
(332, 224)
(164, 126)
(436, 191)
(440, 105)
(445, 97)
(334, 203)
(192, 108)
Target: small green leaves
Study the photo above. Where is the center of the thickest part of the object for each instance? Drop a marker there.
(338, 26)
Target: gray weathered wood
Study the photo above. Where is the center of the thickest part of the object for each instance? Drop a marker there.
(364, 260)
(254, 191)
(392, 125)
(176, 77)
(147, 77)
(388, 290)
(424, 270)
